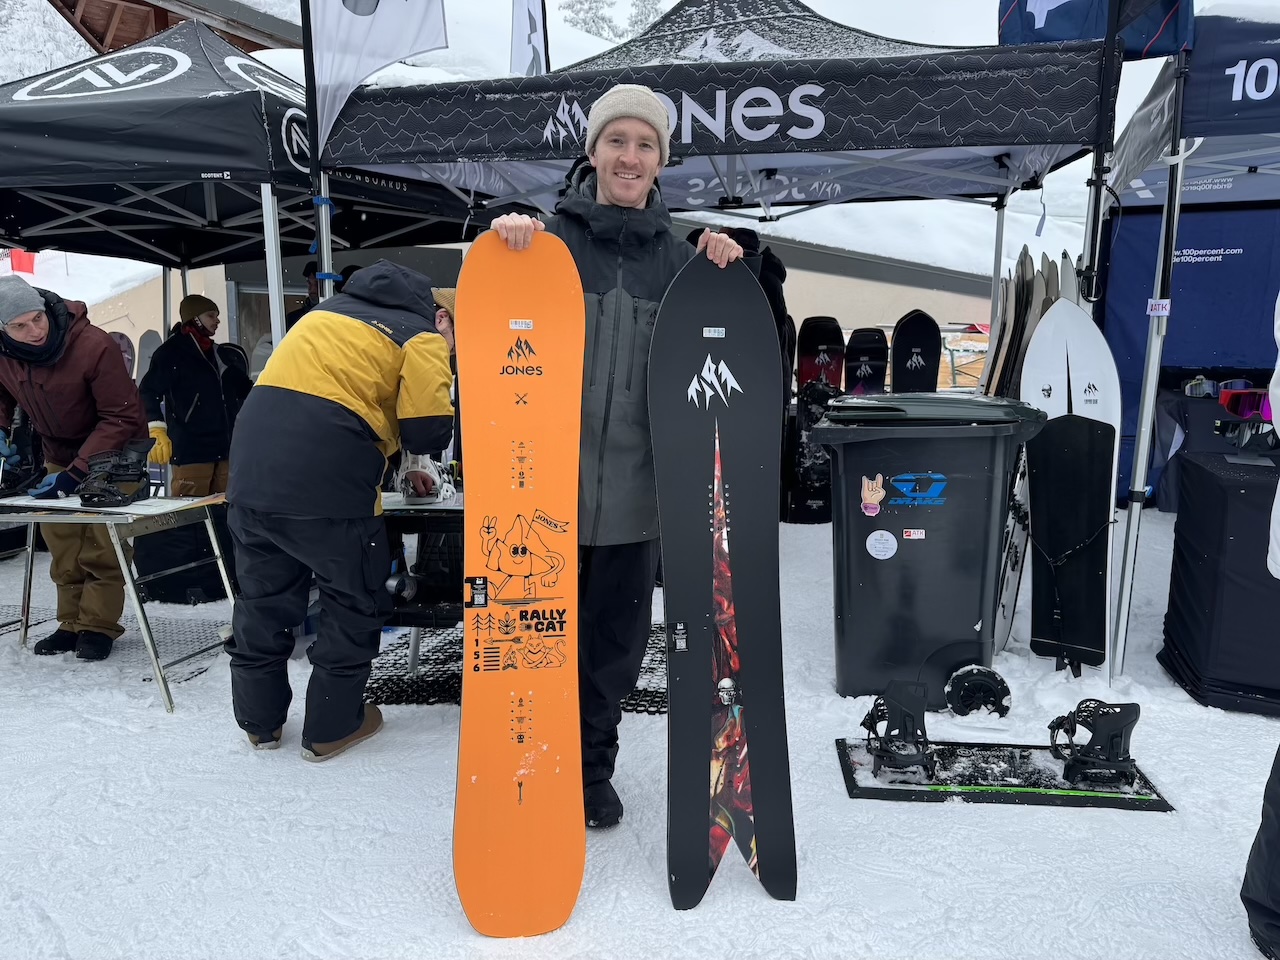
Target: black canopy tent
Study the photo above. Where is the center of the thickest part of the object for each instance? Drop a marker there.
(772, 105)
(182, 151)
(157, 152)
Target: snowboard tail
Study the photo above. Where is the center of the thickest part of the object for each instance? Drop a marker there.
(1069, 472)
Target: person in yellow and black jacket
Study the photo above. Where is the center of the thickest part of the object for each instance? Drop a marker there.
(360, 374)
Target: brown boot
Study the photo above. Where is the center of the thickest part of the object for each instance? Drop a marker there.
(319, 752)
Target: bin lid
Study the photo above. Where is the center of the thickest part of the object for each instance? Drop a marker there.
(953, 408)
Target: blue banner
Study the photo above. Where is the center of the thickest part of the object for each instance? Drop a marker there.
(1226, 278)
(1233, 88)
(1149, 28)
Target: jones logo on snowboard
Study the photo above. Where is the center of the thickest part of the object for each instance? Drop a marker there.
(715, 379)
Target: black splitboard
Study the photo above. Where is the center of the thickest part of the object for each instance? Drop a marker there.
(915, 354)
(866, 361)
(1068, 470)
(991, 773)
(820, 360)
(715, 404)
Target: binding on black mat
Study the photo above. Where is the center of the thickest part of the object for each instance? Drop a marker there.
(1105, 758)
(903, 744)
(118, 478)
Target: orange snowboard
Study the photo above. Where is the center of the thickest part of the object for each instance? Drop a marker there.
(519, 835)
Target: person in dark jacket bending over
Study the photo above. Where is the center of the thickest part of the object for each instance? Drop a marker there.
(201, 393)
(355, 378)
(69, 377)
(614, 222)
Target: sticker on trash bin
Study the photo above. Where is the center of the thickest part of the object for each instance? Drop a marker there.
(872, 494)
(882, 544)
(916, 534)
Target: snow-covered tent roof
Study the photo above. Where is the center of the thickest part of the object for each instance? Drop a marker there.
(1231, 99)
(743, 32)
(157, 151)
(768, 109)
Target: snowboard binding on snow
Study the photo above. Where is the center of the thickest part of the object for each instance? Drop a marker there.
(118, 478)
(1105, 758)
(896, 736)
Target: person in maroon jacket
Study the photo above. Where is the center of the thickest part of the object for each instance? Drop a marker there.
(70, 378)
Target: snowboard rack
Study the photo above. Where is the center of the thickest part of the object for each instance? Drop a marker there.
(1105, 759)
(118, 478)
(903, 744)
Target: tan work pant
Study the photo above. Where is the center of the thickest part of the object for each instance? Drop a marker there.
(90, 584)
(200, 479)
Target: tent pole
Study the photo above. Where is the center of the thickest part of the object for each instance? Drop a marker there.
(997, 269)
(324, 238)
(166, 311)
(186, 282)
(275, 274)
(1150, 379)
(1105, 143)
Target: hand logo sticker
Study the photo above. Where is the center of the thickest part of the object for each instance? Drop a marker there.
(872, 494)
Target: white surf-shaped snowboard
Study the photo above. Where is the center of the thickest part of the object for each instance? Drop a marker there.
(1069, 372)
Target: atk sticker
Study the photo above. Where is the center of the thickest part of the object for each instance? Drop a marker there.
(882, 544)
(913, 534)
(521, 324)
(872, 494)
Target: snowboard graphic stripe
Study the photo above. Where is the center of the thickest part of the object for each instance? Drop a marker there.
(732, 814)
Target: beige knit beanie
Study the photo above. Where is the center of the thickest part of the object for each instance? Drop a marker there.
(630, 100)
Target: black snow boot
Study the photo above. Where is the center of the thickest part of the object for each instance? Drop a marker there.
(603, 807)
(93, 646)
(1263, 947)
(60, 641)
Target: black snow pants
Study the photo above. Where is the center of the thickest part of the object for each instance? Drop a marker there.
(1261, 889)
(615, 609)
(275, 558)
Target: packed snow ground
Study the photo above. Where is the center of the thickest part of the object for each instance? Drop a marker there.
(129, 832)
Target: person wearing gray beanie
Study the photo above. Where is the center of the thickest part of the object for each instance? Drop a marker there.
(69, 378)
(17, 297)
(618, 230)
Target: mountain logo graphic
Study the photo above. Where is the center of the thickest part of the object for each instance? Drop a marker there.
(522, 349)
(567, 123)
(714, 380)
(916, 362)
(1090, 390)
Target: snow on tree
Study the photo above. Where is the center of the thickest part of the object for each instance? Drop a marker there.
(594, 17)
(643, 14)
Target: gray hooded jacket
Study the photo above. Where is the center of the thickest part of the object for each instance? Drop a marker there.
(627, 258)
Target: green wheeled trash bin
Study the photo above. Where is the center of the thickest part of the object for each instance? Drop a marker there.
(920, 488)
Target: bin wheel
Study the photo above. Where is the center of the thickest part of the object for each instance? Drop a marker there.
(972, 687)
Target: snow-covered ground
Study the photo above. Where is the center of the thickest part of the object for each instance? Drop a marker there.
(129, 832)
